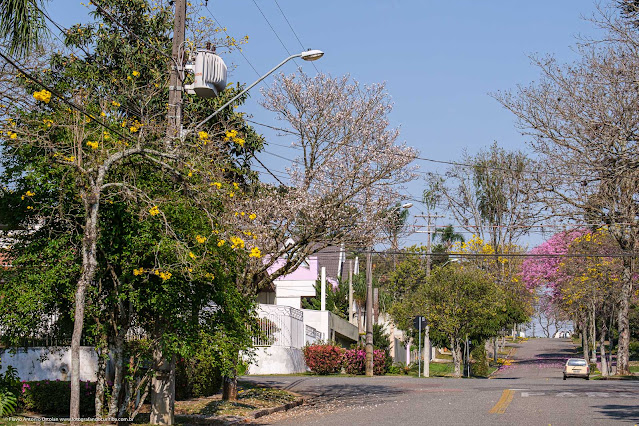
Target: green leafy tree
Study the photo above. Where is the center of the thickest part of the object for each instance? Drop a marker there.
(124, 229)
(457, 301)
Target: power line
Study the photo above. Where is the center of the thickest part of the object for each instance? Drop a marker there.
(62, 98)
(274, 32)
(294, 33)
(432, 160)
(219, 24)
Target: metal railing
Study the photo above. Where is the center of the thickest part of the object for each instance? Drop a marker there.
(281, 326)
(312, 335)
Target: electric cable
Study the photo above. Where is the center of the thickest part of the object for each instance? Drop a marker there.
(275, 32)
(294, 33)
(217, 21)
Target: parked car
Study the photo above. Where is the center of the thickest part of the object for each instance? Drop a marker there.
(577, 367)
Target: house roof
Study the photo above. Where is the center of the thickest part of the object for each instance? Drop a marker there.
(332, 258)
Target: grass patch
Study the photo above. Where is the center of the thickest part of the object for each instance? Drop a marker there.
(250, 397)
(440, 369)
(634, 369)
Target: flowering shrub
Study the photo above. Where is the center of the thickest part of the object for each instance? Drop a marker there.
(323, 358)
(355, 361)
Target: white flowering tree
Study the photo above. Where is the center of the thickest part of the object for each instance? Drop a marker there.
(350, 169)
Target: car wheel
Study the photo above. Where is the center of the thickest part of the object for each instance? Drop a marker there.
(587, 377)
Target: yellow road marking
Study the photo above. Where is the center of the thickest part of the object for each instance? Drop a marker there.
(504, 402)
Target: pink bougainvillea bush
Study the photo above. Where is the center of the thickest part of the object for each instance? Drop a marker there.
(355, 361)
(323, 358)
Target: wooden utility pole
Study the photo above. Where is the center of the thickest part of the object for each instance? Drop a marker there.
(369, 313)
(163, 381)
(176, 68)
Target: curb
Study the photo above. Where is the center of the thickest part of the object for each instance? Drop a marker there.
(511, 351)
(203, 419)
(266, 411)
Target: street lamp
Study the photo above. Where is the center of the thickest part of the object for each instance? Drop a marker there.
(450, 260)
(309, 55)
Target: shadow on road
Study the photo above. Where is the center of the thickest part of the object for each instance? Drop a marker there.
(619, 412)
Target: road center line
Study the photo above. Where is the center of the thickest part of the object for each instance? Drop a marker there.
(504, 402)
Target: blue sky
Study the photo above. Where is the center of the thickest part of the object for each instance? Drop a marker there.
(440, 60)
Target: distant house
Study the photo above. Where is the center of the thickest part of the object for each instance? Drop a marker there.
(287, 326)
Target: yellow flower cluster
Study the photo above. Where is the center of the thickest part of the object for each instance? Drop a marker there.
(203, 135)
(164, 275)
(192, 256)
(231, 135)
(12, 135)
(92, 145)
(218, 184)
(138, 271)
(43, 96)
(48, 122)
(237, 242)
(255, 252)
(115, 103)
(136, 73)
(28, 194)
(154, 211)
(200, 239)
(220, 243)
(252, 216)
(135, 126)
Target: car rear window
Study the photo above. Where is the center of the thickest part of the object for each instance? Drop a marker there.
(576, 362)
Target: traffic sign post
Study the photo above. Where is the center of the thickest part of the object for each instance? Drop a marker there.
(419, 322)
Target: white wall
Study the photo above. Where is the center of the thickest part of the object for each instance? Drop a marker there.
(293, 302)
(42, 363)
(277, 360)
(318, 320)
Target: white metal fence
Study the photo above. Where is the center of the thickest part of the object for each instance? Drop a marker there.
(281, 326)
(312, 335)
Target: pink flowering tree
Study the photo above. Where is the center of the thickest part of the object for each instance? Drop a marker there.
(542, 267)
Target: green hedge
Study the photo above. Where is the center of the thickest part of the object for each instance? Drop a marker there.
(54, 397)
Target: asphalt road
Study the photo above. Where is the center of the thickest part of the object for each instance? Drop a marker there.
(529, 392)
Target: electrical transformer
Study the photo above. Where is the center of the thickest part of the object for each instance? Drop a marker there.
(210, 74)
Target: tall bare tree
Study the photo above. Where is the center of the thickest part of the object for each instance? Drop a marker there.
(584, 122)
(488, 194)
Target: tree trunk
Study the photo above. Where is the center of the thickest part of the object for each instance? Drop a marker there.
(584, 341)
(457, 356)
(623, 321)
(593, 334)
(229, 389)
(495, 351)
(89, 265)
(162, 390)
(101, 381)
(118, 376)
(602, 350)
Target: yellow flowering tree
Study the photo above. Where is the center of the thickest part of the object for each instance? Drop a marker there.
(90, 146)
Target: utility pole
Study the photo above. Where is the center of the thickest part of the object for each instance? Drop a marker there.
(429, 231)
(369, 313)
(163, 381)
(176, 68)
(350, 291)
